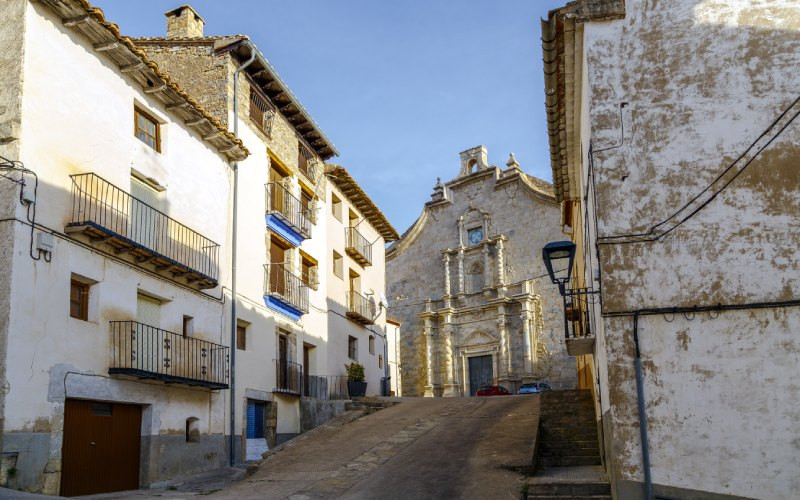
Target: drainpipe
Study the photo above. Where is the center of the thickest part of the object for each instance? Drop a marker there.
(233, 249)
(648, 481)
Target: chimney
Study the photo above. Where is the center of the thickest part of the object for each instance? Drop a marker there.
(184, 22)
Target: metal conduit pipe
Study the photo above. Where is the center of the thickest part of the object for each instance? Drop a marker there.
(648, 480)
(235, 166)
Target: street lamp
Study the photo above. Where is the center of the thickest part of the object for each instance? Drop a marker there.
(559, 254)
(562, 254)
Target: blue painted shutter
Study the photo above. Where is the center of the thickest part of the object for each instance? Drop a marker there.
(251, 420)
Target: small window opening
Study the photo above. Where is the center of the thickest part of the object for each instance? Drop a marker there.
(336, 207)
(352, 348)
(241, 337)
(192, 430)
(188, 326)
(79, 300)
(371, 344)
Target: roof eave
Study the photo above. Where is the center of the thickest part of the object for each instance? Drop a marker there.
(342, 178)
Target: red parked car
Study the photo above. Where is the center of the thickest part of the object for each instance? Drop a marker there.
(493, 390)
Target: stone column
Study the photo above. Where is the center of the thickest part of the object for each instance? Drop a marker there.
(430, 350)
(505, 351)
(501, 275)
(450, 386)
(525, 317)
(446, 260)
(460, 258)
(487, 267)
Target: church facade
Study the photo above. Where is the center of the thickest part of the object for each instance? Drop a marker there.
(468, 284)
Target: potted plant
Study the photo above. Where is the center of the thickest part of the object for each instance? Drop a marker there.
(356, 384)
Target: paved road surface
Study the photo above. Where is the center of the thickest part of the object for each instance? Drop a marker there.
(421, 448)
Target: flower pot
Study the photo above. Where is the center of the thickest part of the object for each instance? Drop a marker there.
(356, 389)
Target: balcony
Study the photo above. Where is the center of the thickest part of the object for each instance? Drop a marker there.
(579, 339)
(307, 164)
(147, 352)
(360, 309)
(357, 246)
(107, 214)
(288, 377)
(286, 214)
(285, 292)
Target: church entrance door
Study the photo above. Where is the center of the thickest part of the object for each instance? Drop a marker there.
(480, 372)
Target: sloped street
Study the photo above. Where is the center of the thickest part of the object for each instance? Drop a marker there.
(420, 448)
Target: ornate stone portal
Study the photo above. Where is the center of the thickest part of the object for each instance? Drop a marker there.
(468, 284)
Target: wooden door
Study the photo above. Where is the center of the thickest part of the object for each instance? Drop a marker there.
(306, 365)
(277, 269)
(277, 193)
(100, 452)
(481, 372)
(283, 362)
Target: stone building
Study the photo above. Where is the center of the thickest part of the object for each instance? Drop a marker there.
(674, 148)
(468, 284)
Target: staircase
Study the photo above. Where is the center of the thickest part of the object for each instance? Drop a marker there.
(368, 405)
(568, 452)
(567, 430)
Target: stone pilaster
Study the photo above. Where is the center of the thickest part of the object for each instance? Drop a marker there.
(527, 341)
(487, 267)
(505, 344)
(431, 386)
(461, 277)
(446, 261)
(501, 275)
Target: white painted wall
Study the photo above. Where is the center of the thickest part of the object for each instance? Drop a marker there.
(77, 117)
(715, 386)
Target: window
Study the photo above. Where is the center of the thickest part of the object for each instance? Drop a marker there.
(338, 265)
(79, 300)
(352, 218)
(352, 348)
(306, 202)
(147, 129)
(304, 157)
(192, 430)
(308, 269)
(241, 337)
(188, 326)
(371, 344)
(336, 207)
(380, 360)
(261, 110)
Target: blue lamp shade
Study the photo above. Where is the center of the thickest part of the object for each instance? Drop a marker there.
(559, 255)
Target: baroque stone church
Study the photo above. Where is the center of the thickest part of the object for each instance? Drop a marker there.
(468, 283)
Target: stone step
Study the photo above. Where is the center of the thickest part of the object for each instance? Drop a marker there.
(570, 488)
(570, 452)
(568, 461)
(565, 497)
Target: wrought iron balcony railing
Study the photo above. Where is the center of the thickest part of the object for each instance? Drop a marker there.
(307, 164)
(284, 286)
(288, 377)
(106, 213)
(357, 246)
(145, 351)
(288, 208)
(360, 309)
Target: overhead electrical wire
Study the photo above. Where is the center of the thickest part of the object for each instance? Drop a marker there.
(695, 205)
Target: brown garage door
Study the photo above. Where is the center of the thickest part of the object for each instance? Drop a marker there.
(101, 447)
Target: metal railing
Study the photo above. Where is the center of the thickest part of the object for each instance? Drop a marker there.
(326, 387)
(361, 306)
(261, 110)
(280, 201)
(148, 352)
(282, 284)
(307, 164)
(288, 377)
(576, 311)
(356, 242)
(102, 205)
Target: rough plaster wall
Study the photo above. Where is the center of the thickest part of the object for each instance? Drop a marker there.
(703, 79)
(416, 273)
(12, 31)
(199, 72)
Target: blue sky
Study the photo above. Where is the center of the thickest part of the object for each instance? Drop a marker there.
(401, 87)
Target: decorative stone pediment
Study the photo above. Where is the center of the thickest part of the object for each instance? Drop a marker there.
(479, 337)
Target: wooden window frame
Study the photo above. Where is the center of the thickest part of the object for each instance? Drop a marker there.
(82, 312)
(352, 348)
(157, 139)
(241, 340)
(312, 277)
